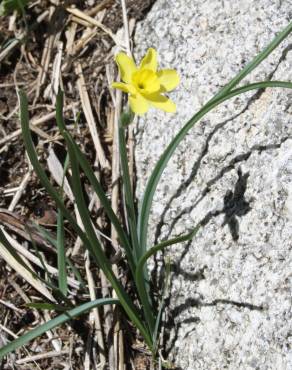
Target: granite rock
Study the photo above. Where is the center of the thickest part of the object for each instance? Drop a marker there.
(230, 297)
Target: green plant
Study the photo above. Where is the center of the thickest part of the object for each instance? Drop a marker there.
(134, 243)
(9, 6)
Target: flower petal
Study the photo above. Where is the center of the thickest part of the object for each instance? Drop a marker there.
(126, 66)
(138, 104)
(127, 88)
(168, 78)
(150, 60)
(162, 102)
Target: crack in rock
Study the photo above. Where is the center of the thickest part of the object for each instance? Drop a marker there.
(205, 150)
(229, 295)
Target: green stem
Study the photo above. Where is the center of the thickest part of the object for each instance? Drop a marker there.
(90, 241)
(155, 176)
(59, 320)
(161, 164)
(131, 216)
(140, 277)
(123, 239)
(96, 250)
(158, 247)
(130, 207)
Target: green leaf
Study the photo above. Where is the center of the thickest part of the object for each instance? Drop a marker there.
(48, 306)
(130, 207)
(161, 305)
(95, 248)
(9, 6)
(126, 118)
(11, 250)
(131, 217)
(69, 315)
(123, 239)
(51, 239)
(89, 239)
(29, 146)
(161, 164)
(158, 247)
(62, 277)
(140, 279)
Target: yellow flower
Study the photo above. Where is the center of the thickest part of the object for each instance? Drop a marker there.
(145, 83)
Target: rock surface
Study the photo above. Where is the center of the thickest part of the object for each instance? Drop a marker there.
(230, 299)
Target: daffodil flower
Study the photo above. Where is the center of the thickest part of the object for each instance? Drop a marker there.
(145, 84)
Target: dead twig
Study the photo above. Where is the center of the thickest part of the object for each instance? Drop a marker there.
(90, 118)
(95, 318)
(42, 356)
(78, 13)
(18, 267)
(35, 122)
(97, 8)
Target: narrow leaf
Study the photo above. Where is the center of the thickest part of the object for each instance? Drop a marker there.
(48, 306)
(131, 216)
(96, 250)
(62, 277)
(130, 208)
(94, 182)
(24, 119)
(50, 238)
(69, 315)
(162, 163)
(150, 252)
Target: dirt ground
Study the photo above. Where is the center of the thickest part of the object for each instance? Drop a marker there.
(51, 45)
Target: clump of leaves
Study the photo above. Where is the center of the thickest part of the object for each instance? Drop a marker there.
(144, 84)
(9, 6)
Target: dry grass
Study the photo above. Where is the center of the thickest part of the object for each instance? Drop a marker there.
(71, 46)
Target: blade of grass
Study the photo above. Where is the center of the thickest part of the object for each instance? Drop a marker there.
(62, 277)
(46, 235)
(158, 247)
(96, 250)
(130, 208)
(11, 250)
(48, 306)
(94, 182)
(69, 315)
(161, 164)
(131, 216)
(161, 305)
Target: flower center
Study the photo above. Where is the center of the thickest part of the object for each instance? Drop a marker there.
(146, 81)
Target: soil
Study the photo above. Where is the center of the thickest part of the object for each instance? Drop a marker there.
(22, 68)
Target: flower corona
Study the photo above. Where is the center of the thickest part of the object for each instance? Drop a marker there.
(145, 83)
